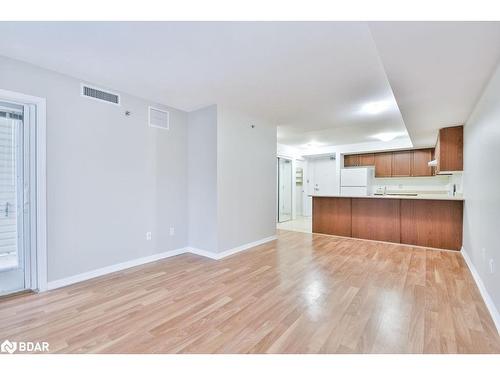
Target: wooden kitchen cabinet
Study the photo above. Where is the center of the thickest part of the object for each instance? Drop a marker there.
(449, 151)
(432, 223)
(376, 219)
(332, 216)
(383, 164)
(401, 164)
(351, 160)
(420, 163)
(366, 160)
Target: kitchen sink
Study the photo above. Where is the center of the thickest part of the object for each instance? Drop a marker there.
(405, 194)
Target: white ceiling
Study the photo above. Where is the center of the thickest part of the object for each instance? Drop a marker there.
(437, 70)
(310, 78)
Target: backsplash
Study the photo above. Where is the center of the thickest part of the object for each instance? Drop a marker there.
(434, 184)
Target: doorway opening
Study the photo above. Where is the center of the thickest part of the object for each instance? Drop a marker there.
(284, 190)
(22, 202)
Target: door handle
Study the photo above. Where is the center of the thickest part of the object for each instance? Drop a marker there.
(7, 209)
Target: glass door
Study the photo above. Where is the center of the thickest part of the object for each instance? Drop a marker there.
(284, 190)
(14, 263)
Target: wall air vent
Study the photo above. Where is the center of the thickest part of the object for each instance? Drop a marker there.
(99, 94)
(158, 118)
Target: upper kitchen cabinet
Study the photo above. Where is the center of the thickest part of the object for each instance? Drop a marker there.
(401, 164)
(449, 150)
(366, 160)
(351, 160)
(383, 164)
(420, 163)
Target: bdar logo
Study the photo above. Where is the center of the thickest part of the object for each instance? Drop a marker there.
(8, 347)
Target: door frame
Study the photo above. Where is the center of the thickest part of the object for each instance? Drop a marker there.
(292, 209)
(39, 245)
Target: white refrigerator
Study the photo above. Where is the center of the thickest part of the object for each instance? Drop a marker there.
(356, 182)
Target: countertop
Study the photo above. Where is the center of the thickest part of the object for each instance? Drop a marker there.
(442, 197)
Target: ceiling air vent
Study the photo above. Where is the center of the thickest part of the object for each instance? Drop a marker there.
(101, 95)
(158, 118)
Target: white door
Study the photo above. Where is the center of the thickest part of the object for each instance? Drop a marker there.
(321, 178)
(14, 256)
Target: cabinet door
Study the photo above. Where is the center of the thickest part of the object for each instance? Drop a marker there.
(420, 163)
(450, 149)
(351, 160)
(401, 164)
(383, 164)
(437, 152)
(367, 160)
(376, 219)
(432, 223)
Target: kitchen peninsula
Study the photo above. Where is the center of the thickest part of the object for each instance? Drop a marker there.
(422, 220)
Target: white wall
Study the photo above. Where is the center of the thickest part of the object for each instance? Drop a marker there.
(202, 179)
(482, 187)
(246, 179)
(110, 178)
(432, 184)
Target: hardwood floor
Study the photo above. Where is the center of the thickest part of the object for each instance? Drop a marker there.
(303, 293)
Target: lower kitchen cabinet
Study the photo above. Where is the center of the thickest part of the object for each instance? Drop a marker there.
(432, 223)
(376, 219)
(421, 222)
(332, 216)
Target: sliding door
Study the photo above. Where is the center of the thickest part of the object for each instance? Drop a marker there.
(15, 261)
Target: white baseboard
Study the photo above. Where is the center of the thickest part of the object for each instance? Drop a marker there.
(495, 315)
(137, 262)
(203, 253)
(223, 254)
(113, 268)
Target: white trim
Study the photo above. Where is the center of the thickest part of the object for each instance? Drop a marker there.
(203, 253)
(495, 315)
(113, 268)
(82, 85)
(41, 180)
(218, 256)
(152, 258)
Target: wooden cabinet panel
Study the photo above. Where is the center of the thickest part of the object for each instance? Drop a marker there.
(401, 164)
(351, 160)
(432, 223)
(366, 160)
(383, 164)
(449, 149)
(376, 219)
(420, 161)
(332, 216)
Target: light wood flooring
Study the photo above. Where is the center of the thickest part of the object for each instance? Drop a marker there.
(303, 293)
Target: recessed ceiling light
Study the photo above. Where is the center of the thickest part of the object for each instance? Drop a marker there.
(374, 108)
(386, 137)
(313, 144)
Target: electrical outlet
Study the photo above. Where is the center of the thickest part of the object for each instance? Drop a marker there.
(172, 231)
(492, 266)
(148, 236)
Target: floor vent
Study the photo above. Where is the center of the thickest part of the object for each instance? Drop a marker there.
(158, 118)
(101, 95)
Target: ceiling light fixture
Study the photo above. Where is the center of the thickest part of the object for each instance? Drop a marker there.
(373, 108)
(386, 137)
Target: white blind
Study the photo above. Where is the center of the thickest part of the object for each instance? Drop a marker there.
(8, 190)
